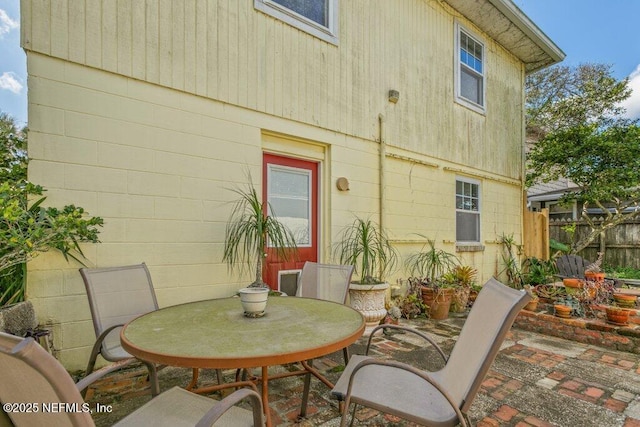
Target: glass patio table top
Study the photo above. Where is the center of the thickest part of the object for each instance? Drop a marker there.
(216, 334)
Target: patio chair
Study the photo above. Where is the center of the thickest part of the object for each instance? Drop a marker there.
(440, 398)
(31, 376)
(571, 266)
(329, 282)
(117, 295)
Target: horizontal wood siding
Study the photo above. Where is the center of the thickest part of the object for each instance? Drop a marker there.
(228, 51)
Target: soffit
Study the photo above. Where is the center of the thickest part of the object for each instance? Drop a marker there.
(509, 26)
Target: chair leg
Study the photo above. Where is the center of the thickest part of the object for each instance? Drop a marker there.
(153, 379)
(465, 421)
(345, 415)
(345, 354)
(91, 365)
(353, 414)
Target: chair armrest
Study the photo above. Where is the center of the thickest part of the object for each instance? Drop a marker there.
(406, 329)
(96, 375)
(399, 365)
(96, 345)
(104, 334)
(225, 404)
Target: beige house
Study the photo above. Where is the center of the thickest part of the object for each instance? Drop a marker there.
(147, 113)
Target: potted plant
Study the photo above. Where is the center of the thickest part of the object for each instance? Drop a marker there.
(427, 268)
(532, 305)
(594, 271)
(437, 296)
(461, 277)
(473, 293)
(249, 229)
(563, 311)
(410, 301)
(618, 315)
(625, 300)
(365, 246)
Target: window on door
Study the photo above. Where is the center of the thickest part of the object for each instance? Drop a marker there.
(470, 70)
(467, 211)
(289, 196)
(316, 17)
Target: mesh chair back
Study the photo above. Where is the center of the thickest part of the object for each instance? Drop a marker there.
(30, 375)
(117, 295)
(489, 321)
(325, 281)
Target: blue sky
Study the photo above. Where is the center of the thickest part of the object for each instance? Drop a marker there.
(597, 31)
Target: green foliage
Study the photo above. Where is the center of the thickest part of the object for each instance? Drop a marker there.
(558, 247)
(26, 227)
(248, 231)
(623, 272)
(365, 246)
(575, 117)
(430, 263)
(603, 162)
(511, 253)
(538, 271)
(562, 97)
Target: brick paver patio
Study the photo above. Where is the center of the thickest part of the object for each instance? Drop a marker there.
(536, 380)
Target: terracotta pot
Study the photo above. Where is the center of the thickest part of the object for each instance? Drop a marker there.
(531, 305)
(572, 285)
(572, 282)
(617, 315)
(625, 301)
(562, 310)
(596, 277)
(438, 303)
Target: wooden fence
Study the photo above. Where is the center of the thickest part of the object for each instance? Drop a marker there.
(621, 244)
(536, 234)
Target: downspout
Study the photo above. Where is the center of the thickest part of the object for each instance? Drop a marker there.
(383, 154)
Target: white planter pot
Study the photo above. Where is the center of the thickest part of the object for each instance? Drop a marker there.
(254, 301)
(369, 301)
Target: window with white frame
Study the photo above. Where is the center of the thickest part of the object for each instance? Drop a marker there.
(316, 17)
(467, 210)
(470, 70)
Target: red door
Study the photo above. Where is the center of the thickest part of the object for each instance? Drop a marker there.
(291, 188)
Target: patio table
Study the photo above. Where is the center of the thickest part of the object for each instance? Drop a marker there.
(215, 334)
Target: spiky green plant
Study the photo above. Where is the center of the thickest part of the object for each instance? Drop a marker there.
(249, 229)
(365, 246)
(430, 263)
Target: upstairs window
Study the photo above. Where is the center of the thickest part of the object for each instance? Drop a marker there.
(316, 17)
(467, 211)
(470, 70)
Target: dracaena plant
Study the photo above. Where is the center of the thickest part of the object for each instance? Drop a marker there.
(251, 227)
(365, 246)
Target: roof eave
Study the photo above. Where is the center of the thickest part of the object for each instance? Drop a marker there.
(521, 36)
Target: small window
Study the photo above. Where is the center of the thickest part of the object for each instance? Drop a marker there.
(470, 70)
(316, 17)
(467, 211)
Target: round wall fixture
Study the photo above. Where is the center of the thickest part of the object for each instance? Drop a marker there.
(343, 184)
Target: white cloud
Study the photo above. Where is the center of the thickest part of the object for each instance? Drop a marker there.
(6, 23)
(9, 81)
(632, 104)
